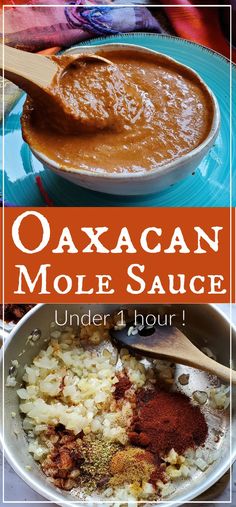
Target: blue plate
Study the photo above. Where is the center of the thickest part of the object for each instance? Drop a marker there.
(209, 186)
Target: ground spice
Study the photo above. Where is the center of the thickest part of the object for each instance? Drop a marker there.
(75, 461)
(63, 461)
(130, 465)
(13, 313)
(122, 386)
(165, 420)
(95, 469)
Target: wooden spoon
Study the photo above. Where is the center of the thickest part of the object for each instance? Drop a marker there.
(171, 344)
(35, 73)
(32, 71)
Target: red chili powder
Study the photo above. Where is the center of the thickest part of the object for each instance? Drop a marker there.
(121, 387)
(167, 420)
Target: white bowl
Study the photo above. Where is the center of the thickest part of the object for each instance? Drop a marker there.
(149, 182)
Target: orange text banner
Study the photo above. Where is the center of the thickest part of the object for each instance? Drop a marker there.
(127, 255)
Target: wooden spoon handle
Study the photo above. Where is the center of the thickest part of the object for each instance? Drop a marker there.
(172, 345)
(207, 364)
(26, 70)
(194, 357)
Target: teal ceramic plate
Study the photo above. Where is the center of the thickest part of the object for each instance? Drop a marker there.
(209, 186)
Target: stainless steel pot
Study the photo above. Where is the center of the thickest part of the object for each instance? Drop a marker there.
(205, 325)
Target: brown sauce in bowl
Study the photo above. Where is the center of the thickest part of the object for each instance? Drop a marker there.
(135, 115)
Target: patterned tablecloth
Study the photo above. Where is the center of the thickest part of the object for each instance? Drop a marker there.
(13, 93)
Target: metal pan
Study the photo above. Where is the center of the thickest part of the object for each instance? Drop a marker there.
(205, 325)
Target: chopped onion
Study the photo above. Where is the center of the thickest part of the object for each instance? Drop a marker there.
(200, 396)
(202, 464)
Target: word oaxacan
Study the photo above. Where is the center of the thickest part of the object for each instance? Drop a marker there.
(134, 280)
(122, 244)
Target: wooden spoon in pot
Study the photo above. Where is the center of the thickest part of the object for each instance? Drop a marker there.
(171, 344)
(35, 74)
